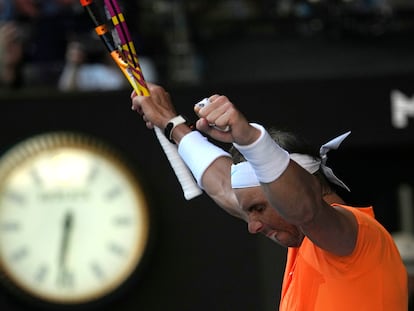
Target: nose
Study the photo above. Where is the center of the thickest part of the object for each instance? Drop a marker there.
(254, 226)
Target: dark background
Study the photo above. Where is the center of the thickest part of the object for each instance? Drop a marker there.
(318, 68)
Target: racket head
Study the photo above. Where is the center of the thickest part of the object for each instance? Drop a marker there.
(111, 27)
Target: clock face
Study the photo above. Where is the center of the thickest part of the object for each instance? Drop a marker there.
(74, 221)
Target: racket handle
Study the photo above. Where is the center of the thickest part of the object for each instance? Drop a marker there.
(184, 175)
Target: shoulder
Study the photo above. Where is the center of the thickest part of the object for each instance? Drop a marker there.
(370, 230)
(357, 211)
(373, 239)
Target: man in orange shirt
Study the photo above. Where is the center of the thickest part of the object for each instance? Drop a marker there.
(339, 257)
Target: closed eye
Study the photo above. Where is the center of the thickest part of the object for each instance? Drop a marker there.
(258, 208)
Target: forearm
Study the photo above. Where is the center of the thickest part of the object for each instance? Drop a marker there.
(210, 165)
(296, 195)
(290, 189)
(217, 184)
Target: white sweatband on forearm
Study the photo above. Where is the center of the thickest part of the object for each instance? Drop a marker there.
(198, 153)
(266, 157)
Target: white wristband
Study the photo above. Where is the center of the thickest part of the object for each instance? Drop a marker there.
(198, 153)
(266, 157)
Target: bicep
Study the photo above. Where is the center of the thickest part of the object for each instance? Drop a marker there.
(297, 196)
(333, 229)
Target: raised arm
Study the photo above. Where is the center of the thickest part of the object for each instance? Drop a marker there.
(293, 192)
(158, 110)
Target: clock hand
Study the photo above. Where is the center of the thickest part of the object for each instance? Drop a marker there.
(64, 277)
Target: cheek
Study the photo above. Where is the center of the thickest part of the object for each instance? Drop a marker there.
(277, 223)
(275, 220)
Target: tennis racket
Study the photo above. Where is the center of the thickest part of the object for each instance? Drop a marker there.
(111, 27)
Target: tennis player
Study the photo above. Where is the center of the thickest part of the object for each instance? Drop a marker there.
(339, 257)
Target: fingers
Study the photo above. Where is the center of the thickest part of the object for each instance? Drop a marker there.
(136, 107)
(138, 101)
(136, 104)
(216, 110)
(156, 109)
(213, 131)
(203, 126)
(148, 123)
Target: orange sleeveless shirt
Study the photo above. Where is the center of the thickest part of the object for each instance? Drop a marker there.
(372, 278)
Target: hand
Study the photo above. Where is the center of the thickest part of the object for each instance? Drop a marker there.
(156, 109)
(222, 114)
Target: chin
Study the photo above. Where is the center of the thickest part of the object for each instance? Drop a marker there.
(287, 240)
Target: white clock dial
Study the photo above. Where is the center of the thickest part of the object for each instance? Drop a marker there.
(74, 221)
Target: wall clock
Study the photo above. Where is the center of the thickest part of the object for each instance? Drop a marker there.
(74, 220)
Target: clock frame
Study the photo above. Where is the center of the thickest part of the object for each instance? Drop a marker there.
(74, 220)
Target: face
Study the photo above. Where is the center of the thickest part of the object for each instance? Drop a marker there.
(262, 218)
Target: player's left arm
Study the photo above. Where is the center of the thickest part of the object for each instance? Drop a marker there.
(297, 196)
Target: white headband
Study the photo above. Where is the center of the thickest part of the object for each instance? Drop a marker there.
(243, 176)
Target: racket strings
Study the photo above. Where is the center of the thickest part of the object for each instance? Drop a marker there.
(122, 50)
(126, 45)
(121, 33)
(111, 27)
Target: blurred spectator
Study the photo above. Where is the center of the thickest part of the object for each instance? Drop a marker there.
(86, 69)
(43, 44)
(13, 16)
(89, 67)
(11, 55)
(42, 28)
(17, 9)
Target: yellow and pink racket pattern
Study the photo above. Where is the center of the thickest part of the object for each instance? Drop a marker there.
(117, 39)
(111, 27)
